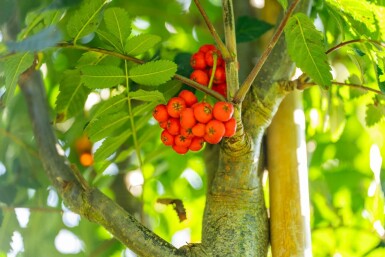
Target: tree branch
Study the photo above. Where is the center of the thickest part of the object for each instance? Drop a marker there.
(88, 202)
(240, 95)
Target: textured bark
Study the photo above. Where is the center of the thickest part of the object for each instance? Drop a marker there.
(288, 180)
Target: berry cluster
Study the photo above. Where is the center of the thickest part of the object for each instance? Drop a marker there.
(187, 124)
(202, 62)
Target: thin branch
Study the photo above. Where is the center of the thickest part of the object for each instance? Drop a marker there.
(240, 95)
(334, 48)
(302, 86)
(221, 46)
(90, 202)
(181, 78)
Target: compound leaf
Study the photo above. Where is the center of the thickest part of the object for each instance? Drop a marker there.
(147, 96)
(118, 24)
(374, 114)
(305, 48)
(141, 43)
(101, 76)
(85, 19)
(153, 73)
(72, 95)
(13, 67)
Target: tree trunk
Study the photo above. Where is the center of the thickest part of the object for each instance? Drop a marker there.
(288, 181)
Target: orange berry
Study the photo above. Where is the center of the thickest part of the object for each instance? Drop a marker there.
(188, 97)
(187, 119)
(199, 130)
(200, 77)
(230, 127)
(86, 159)
(203, 112)
(173, 126)
(181, 140)
(223, 111)
(174, 106)
(197, 143)
(198, 61)
(180, 149)
(215, 130)
(205, 48)
(167, 138)
(160, 113)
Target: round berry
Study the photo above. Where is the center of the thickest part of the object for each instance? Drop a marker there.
(187, 118)
(173, 126)
(207, 47)
(209, 57)
(199, 130)
(181, 140)
(230, 127)
(221, 89)
(180, 149)
(200, 77)
(203, 112)
(198, 61)
(219, 75)
(215, 130)
(175, 106)
(223, 111)
(188, 97)
(160, 113)
(163, 124)
(196, 144)
(167, 138)
(187, 133)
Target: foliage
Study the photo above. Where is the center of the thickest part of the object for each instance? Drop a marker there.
(108, 64)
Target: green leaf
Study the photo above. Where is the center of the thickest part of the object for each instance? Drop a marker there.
(101, 76)
(112, 105)
(85, 19)
(13, 67)
(249, 28)
(47, 37)
(110, 145)
(358, 14)
(118, 24)
(374, 114)
(72, 96)
(305, 48)
(105, 126)
(109, 39)
(141, 43)
(283, 3)
(153, 73)
(147, 96)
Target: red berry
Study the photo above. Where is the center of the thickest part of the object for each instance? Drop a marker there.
(160, 113)
(209, 57)
(223, 111)
(199, 130)
(231, 127)
(198, 61)
(187, 133)
(181, 140)
(215, 130)
(200, 77)
(163, 124)
(205, 48)
(175, 106)
(187, 119)
(188, 97)
(173, 126)
(219, 76)
(167, 138)
(203, 112)
(180, 149)
(221, 89)
(196, 144)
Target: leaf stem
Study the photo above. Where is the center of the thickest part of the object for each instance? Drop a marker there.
(302, 86)
(221, 46)
(244, 88)
(362, 40)
(181, 78)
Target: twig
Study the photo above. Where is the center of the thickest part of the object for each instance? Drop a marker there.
(221, 46)
(352, 42)
(240, 95)
(302, 86)
(181, 78)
